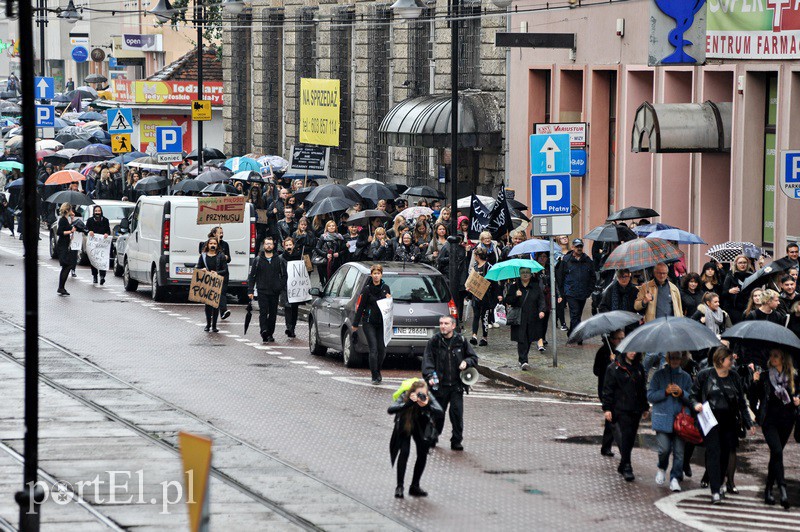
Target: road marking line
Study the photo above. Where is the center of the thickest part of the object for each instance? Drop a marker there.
(323, 372)
(171, 314)
(301, 362)
(312, 367)
(242, 340)
(286, 358)
(262, 347)
(253, 344)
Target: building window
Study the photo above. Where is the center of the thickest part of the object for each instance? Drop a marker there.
(378, 93)
(306, 56)
(469, 39)
(420, 54)
(770, 126)
(612, 138)
(273, 81)
(341, 45)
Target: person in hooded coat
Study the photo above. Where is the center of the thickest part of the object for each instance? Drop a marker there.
(98, 224)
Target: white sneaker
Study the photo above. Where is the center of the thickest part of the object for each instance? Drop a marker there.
(495, 325)
(661, 476)
(674, 485)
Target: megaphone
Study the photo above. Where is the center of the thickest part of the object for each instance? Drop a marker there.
(469, 376)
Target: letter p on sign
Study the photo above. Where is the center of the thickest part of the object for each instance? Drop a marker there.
(169, 139)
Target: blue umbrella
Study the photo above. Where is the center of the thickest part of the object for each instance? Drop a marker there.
(242, 164)
(125, 158)
(17, 183)
(91, 116)
(677, 235)
(509, 269)
(644, 230)
(533, 245)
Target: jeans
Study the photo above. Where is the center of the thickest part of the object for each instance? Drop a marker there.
(652, 360)
(523, 348)
(377, 350)
(267, 313)
(454, 397)
(669, 442)
(575, 311)
(560, 308)
(776, 436)
(719, 442)
(402, 458)
(626, 425)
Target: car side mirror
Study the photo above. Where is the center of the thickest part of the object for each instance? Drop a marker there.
(316, 292)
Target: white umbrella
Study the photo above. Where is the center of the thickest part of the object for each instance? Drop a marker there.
(362, 181)
(49, 144)
(464, 203)
(413, 212)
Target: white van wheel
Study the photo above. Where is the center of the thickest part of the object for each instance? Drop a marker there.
(157, 293)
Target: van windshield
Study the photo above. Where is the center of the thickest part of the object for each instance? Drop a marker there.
(114, 212)
(418, 288)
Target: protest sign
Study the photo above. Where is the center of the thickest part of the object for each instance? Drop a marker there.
(387, 313)
(477, 285)
(76, 242)
(220, 210)
(298, 282)
(206, 287)
(98, 248)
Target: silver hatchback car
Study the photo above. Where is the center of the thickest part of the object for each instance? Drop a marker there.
(420, 294)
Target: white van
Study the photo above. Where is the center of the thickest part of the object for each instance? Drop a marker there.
(160, 245)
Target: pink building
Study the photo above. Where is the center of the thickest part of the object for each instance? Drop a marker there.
(720, 194)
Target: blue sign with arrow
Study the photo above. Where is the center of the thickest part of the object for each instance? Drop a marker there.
(45, 88)
(550, 154)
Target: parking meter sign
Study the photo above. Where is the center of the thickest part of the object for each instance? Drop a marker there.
(551, 195)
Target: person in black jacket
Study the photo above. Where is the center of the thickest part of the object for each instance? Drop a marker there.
(625, 404)
(66, 257)
(577, 280)
(213, 260)
(98, 224)
(526, 294)
(620, 294)
(724, 392)
(732, 287)
(455, 252)
(407, 250)
(6, 215)
(290, 310)
(606, 355)
(481, 307)
(330, 252)
(447, 354)
(288, 225)
(268, 274)
(374, 291)
(777, 413)
(225, 249)
(381, 248)
(357, 243)
(416, 414)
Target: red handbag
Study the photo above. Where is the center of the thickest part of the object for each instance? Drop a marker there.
(684, 426)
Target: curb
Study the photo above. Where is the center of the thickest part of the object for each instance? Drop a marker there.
(492, 373)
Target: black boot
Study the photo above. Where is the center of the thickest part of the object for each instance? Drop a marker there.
(768, 498)
(416, 491)
(784, 496)
(398, 492)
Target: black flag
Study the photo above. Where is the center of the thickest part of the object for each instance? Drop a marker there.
(500, 220)
(478, 218)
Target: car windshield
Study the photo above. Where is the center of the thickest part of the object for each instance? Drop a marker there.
(418, 288)
(114, 212)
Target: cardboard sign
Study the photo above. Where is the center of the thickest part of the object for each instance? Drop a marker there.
(477, 285)
(206, 287)
(262, 216)
(220, 210)
(76, 242)
(387, 313)
(99, 251)
(298, 282)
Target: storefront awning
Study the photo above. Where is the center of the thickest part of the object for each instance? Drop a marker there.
(682, 127)
(424, 121)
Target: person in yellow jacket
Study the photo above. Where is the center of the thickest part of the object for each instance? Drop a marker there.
(657, 299)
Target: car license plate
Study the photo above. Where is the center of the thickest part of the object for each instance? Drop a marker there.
(410, 331)
(183, 270)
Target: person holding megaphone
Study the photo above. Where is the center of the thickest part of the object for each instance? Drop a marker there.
(446, 356)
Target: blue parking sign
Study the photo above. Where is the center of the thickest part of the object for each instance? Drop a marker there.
(551, 195)
(45, 116)
(169, 139)
(790, 173)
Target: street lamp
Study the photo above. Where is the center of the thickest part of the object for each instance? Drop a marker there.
(70, 15)
(233, 7)
(502, 4)
(407, 9)
(163, 11)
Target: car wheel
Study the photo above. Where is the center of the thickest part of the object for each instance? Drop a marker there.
(157, 293)
(129, 284)
(313, 340)
(352, 358)
(53, 249)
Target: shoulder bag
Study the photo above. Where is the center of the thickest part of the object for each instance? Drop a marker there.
(685, 428)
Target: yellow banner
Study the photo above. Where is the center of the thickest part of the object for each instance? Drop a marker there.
(319, 111)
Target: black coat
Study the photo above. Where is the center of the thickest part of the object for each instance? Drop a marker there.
(625, 388)
(269, 276)
(423, 422)
(305, 243)
(532, 302)
(770, 409)
(362, 248)
(66, 257)
(444, 359)
(615, 297)
(410, 253)
(331, 245)
(721, 394)
(460, 256)
(577, 276)
(602, 359)
(368, 303)
(690, 301)
(98, 227)
(381, 252)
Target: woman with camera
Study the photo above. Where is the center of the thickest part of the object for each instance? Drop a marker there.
(415, 413)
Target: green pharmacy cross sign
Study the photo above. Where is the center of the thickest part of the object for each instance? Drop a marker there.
(5, 46)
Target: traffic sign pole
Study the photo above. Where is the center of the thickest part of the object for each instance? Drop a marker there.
(553, 301)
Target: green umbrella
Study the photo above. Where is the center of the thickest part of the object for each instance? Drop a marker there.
(510, 269)
(11, 165)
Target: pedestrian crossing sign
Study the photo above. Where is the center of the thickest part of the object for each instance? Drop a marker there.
(121, 143)
(120, 120)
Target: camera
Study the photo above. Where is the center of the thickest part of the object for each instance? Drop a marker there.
(422, 396)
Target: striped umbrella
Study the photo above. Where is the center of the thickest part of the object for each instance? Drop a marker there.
(727, 251)
(642, 253)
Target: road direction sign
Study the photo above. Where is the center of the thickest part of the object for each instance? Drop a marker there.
(790, 173)
(577, 163)
(201, 110)
(45, 116)
(550, 154)
(551, 195)
(121, 143)
(120, 120)
(45, 88)
(169, 139)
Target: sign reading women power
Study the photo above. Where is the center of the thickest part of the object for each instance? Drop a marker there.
(98, 248)
(206, 287)
(298, 282)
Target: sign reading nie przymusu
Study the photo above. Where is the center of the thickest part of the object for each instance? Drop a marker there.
(319, 111)
(222, 210)
(206, 287)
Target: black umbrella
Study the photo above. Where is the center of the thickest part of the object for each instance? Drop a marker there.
(92, 153)
(762, 275)
(333, 191)
(60, 157)
(220, 189)
(604, 323)
(208, 154)
(148, 184)
(761, 331)
(213, 176)
(375, 192)
(632, 213)
(397, 187)
(189, 185)
(248, 316)
(247, 176)
(301, 193)
(9, 108)
(77, 144)
(364, 217)
(95, 78)
(329, 205)
(611, 233)
(669, 334)
(72, 197)
(423, 191)
(517, 205)
(86, 93)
